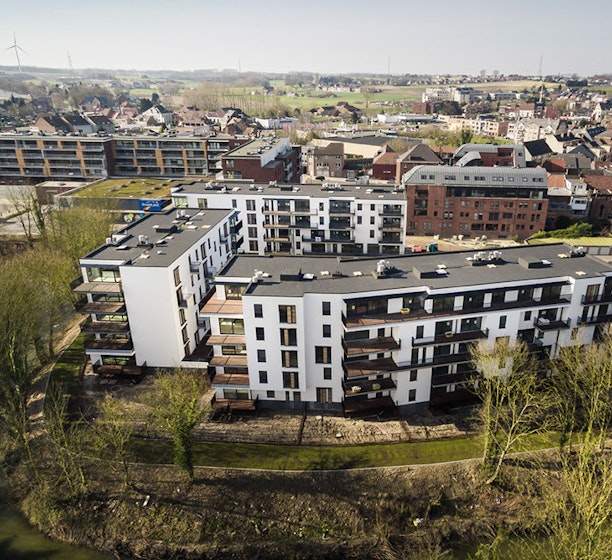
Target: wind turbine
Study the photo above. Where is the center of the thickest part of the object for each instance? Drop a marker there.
(17, 49)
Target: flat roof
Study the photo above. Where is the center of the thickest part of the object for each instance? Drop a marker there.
(166, 236)
(328, 189)
(256, 147)
(412, 272)
(459, 175)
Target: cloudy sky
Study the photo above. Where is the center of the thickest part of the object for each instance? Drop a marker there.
(325, 36)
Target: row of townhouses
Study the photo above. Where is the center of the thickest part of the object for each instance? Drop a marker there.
(358, 335)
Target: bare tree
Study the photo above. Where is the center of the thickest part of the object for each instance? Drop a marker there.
(511, 403)
(113, 429)
(177, 408)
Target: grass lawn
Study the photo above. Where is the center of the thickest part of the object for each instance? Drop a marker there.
(583, 241)
(66, 372)
(126, 188)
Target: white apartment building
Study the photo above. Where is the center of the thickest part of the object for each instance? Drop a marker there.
(307, 219)
(144, 287)
(371, 336)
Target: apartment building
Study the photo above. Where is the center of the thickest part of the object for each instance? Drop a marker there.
(307, 218)
(474, 201)
(367, 336)
(36, 158)
(264, 159)
(490, 155)
(143, 290)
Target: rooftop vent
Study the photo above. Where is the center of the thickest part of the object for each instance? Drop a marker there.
(485, 258)
(577, 252)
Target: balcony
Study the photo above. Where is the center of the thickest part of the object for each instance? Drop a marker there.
(226, 339)
(375, 406)
(98, 288)
(452, 378)
(440, 360)
(599, 298)
(240, 379)
(383, 318)
(106, 327)
(369, 367)
(353, 388)
(106, 307)
(229, 361)
(392, 239)
(370, 346)
(112, 344)
(440, 396)
(596, 319)
(132, 372)
(450, 337)
(391, 211)
(548, 325)
(216, 306)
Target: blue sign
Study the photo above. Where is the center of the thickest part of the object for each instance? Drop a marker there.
(150, 205)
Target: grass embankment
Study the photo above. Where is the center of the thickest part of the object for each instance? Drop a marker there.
(576, 241)
(285, 457)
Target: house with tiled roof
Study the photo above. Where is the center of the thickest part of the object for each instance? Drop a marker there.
(51, 124)
(157, 114)
(600, 190)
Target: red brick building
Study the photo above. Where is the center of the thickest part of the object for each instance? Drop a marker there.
(496, 202)
(263, 160)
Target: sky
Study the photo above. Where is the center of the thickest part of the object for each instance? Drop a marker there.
(322, 36)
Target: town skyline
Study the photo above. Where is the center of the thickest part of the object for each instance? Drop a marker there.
(335, 38)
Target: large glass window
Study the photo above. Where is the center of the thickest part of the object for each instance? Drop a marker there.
(231, 326)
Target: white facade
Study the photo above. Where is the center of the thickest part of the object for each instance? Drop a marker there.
(143, 289)
(307, 219)
(367, 336)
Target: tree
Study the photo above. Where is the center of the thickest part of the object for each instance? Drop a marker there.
(114, 428)
(511, 404)
(582, 389)
(76, 231)
(27, 211)
(176, 407)
(449, 108)
(19, 332)
(465, 136)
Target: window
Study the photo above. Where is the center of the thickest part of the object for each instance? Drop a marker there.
(261, 355)
(502, 322)
(177, 276)
(252, 219)
(412, 395)
(231, 326)
(184, 334)
(326, 331)
(252, 231)
(182, 317)
(327, 373)
(288, 337)
(270, 395)
(290, 380)
(326, 308)
(286, 313)
(263, 376)
(323, 354)
(527, 316)
(289, 358)
(413, 374)
(234, 203)
(372, 220)
(250, 205)
(258, 310)
(260, 333)
(324, 395)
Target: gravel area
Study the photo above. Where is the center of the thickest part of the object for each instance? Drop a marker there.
(291, 427)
